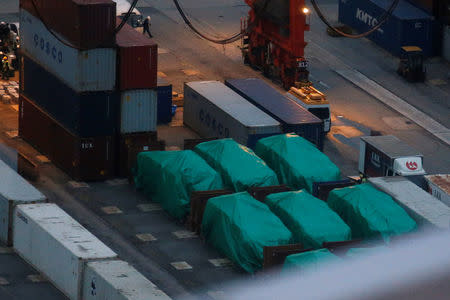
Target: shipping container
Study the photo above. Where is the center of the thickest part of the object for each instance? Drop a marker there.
(420, 205)
(437, 8)
(84, 24)
(56, 245)
(446, 43)
(164, 101)
(118, 280)
(439, 187)
(137, 59)
(89, 70)
(138, 110)
(293, 117)
(214, 110)
(84, 114)
(14, 190)
(85, 159)
(407, 26)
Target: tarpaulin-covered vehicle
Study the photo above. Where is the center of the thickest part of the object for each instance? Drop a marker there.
(297, 162)
(310, 260)
(239, 166)
(240, 226)
(309, 219)
(369, 212)
(169, 177)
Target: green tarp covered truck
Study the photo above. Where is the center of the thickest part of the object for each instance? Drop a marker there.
(169, 177)
(370, 213)
(239, 166)
(239, 226)
(309, 219)
(310, 260)
(297, 162)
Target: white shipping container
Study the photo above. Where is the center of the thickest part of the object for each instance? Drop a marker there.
(57, 245)
(89, 70)
(14, 190)
(117, 280)
(420, 205)
(439, 186)
(138, 111)
(214, 110)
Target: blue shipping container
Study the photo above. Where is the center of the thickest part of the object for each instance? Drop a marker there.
(164, 101)
(293, 117)
(84, 114)
(408, 25)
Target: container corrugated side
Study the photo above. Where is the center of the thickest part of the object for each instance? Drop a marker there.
(439, 187)
(407, 26)
(84, 159)
(57, 245)
(214, 110)
(137, 59)
(138, 110)
(90, 70)
(164, 101)
(85, 24)
(420, 205)
(118, 280)
(85, 114)
(14, 190)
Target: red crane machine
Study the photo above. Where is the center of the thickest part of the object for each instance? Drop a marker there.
(274, 42)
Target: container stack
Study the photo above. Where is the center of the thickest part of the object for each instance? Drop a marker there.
(68, 104)
(137, 82)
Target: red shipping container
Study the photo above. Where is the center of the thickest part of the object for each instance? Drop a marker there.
(137, 59)
(85, 24)
(84, 159)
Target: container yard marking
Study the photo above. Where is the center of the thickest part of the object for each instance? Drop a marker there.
(42, 159)
(77, 185)
(181, 265)
(36, 278)
(220, 262)
(116, 182)
(162, 51)
(6, 250)
(217, 295)
(190, 72)
(111, 210)
(147, 207)
(146, 237)
(184, 234)
(3, 281)
(12, 133)
(162, 74)
(437, 82)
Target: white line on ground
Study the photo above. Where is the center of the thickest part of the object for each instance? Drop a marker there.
(146, 237)
(184, 234)
(77, 185)
(181, 265)
(396, 103)
(147, 207)
(111, 210)
(220, 262)
(3, 281)
(36, 278)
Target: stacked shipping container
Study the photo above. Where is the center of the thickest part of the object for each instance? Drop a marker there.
(88, 95)
(137, 82)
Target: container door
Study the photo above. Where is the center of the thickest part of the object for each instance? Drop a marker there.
(373, 162)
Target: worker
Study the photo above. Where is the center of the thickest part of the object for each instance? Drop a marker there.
(146, 26)
(5, 68)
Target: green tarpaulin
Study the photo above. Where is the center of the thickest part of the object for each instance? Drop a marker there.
(369, 212)
(363, 252)
(309, 219)
(239, 166)
(239, 226)
(169, 177)
(297, 162)
(307, 261)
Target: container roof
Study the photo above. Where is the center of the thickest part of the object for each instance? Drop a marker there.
(129, 37)
(13, 187)
(232, 103)
(391, 146)
(270, 100)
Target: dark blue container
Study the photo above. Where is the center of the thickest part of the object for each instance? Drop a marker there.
(408, 25)
(84, 114)
(164, 101)
(293, 117)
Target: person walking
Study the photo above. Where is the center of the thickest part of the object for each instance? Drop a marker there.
(5, 68)
(146, 26)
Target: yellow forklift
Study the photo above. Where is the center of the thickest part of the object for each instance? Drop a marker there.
(411, 64)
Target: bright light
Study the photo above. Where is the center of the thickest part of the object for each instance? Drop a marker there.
(305, 10)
